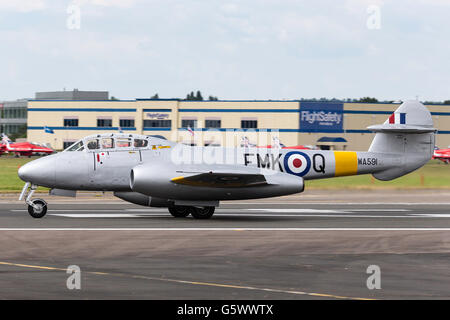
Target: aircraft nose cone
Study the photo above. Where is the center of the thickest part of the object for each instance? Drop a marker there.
(40, 171)
(23, 172)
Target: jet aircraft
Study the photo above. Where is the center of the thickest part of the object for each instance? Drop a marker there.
(191, 180)
(21, 148)
(442, 155)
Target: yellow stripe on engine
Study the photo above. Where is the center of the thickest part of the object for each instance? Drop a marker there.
(177, 179)
(346, 163)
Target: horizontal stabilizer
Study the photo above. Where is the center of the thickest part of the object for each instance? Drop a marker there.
(400, 128)
(410, 117)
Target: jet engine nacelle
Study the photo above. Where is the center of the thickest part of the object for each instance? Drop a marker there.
(142, 199)
(215, 182)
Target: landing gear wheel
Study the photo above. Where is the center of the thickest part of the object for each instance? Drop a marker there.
(202, 212)
(40, 210)
(179, 211)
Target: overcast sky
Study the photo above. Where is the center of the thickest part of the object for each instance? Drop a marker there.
(246, 49)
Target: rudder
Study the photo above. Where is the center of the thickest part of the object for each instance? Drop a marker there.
(408, 133)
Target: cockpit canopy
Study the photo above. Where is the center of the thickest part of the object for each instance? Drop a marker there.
(110, 142)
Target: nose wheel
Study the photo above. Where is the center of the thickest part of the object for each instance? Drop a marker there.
(37, 208)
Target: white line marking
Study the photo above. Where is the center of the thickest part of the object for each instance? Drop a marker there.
(279, 213)
(287, 202)
(293, 210)
(378, 210)
(341, 203)
(147, 210)
(74, 210)
(432, 215)
(129, 215)
(224, 229)
(100, 215)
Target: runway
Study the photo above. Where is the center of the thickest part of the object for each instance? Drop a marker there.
(272, 249)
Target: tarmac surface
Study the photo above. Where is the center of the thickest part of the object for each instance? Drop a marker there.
(317, 245)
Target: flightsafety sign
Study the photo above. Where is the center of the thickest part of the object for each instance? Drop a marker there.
(321, 117)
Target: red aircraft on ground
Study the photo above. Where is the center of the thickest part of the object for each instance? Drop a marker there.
(442, 154)
(21, 148)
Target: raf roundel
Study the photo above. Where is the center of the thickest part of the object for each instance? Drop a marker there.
(297, 163)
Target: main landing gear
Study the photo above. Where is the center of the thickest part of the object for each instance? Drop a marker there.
(196, 212)
(37, 208)
(179, 211)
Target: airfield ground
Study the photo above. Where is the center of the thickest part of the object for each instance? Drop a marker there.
(316, 245)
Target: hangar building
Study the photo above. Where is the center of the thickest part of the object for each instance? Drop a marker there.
(13, 114)
(329, 125)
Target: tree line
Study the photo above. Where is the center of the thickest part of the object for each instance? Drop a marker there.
(190, 96)
(197, 96)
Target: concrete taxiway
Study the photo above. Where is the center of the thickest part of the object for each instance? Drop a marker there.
(298, 247)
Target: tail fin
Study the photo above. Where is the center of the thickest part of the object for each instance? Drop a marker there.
(5, 139)
(408, 135)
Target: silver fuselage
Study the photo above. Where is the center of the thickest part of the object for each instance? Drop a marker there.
(109, 169)
(157, 168)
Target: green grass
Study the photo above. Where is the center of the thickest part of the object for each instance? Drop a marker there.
(434, 175)
(9, 180)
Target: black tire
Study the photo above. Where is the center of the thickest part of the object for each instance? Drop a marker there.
(202, 212)
(39, 213)
(179, 211)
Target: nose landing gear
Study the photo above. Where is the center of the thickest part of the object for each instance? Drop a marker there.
(37, 208)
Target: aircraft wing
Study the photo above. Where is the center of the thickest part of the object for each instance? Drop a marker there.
(222, 180)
